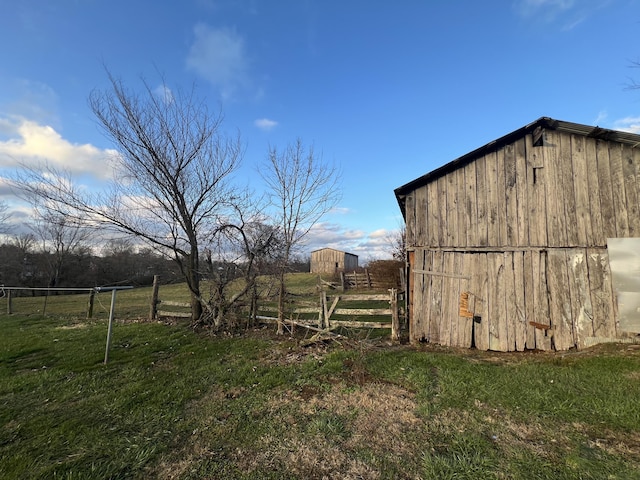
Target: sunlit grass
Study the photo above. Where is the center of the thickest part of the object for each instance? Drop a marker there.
(173, 403)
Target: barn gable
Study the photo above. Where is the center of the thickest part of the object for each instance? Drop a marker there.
(507, 245)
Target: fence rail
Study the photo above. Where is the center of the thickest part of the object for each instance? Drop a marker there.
(326, 309)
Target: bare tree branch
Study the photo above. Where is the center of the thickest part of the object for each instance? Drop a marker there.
(172, 174)
(302, 189)
(4, 216)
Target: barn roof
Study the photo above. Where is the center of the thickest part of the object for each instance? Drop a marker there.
(335, 250)
(543, 123)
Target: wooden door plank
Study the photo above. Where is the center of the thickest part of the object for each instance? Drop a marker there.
(606, 193)
(449, 300)
(604, 320)
(452, 210)
(419, 294)
(465, 323)
(581, 171)
(568, 189)
(421, 213)
(529, 299)
(481, 301)
(520, 316)
(510, 317)
(593, 186)
(456, 327)
(631, 190)
(442, 211)
(502, 197)
(496, 303)
(555, 194)
(522, 195)
(537, 195)
(541, 300)
(461, 206)
(560, 303)
(470, 205)
(436, 299)
(618, 188)
(493, 225)
(410, 219)
(511, 195)
(434, 220)
(482, 202)
(581, 310)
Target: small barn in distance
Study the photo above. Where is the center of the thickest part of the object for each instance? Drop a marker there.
(510, 247)
(330, 261)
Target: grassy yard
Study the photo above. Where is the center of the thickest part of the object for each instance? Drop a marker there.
(174, 404)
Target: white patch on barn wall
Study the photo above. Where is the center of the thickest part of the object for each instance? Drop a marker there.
(584, 321)
(624, 261)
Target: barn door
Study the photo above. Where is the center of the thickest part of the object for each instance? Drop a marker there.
(439, 291)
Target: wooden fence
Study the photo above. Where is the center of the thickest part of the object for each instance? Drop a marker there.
(327, 308)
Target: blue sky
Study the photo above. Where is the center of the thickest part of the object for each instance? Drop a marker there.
(385, 90)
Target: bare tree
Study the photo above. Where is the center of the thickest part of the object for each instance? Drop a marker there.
(302, 188)
(4, 216)
(397, 243)
(633, 84)
(236, 260)
(172, 174)
(61, 238)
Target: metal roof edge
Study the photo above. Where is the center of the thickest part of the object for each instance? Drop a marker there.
(544, 122)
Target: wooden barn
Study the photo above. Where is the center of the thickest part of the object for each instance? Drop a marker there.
(328, 260)
(510, 247)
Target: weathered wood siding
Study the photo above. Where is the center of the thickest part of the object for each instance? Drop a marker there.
(328, 260)
(573, 191)
(523, 229)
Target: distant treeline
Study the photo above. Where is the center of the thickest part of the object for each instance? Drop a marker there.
(24, 265)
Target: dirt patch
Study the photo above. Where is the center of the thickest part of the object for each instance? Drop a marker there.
(375, 418)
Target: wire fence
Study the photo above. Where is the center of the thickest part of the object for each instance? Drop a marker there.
(8, 294)
(88, 302)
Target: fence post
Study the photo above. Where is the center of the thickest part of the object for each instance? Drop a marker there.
(110, 327)
(366, 272)
(322, 317)
(395, 317)
(342, 280)
(92, 297)
(153, 311)
(8, 302)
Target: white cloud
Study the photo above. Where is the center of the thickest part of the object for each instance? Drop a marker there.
(340, 211)
(367, 245)
(31, 99)
(549, 8)
(265, 124)
(568, 14)
(628, 124)
(164, 93)
(218, 55)
(28, 142)
(601, 118)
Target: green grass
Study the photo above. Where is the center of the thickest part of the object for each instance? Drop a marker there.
(173, 403)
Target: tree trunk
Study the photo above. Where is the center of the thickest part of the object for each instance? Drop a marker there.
(193, 281)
